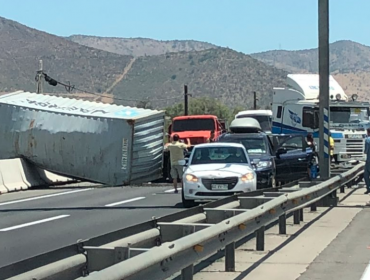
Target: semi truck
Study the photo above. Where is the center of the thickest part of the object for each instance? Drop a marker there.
(296, 110)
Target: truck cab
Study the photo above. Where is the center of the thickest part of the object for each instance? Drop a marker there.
(296, 111)
(275, 158)
(197, 128)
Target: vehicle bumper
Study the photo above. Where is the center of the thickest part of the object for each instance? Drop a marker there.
(197, 191)
(263, 178)
(348, 157)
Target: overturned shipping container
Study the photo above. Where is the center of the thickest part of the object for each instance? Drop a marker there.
(110, 144)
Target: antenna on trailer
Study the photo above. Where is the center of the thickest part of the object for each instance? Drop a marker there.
(39, 79)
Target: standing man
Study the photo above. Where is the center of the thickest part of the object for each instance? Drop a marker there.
(176, 149)
(312, 161)
(367, 164)
(211, 137)
(331, 143)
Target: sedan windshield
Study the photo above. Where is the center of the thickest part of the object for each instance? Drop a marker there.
(252, 145)
(216, 155)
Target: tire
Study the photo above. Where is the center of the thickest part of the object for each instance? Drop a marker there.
(186, 203)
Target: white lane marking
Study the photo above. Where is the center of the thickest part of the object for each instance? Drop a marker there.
(35, 223)
(172, 190)
(125, 201)
(43, 196)
(366, 274)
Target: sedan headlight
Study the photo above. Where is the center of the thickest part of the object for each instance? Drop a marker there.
(264, 164)
(247, 177)
(191, 178)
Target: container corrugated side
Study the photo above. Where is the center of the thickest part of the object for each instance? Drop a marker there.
(85, 147)
(147, 149)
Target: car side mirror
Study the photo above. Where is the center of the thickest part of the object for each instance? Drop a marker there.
(281, 151)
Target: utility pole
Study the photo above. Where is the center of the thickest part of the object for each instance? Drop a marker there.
(39, 79)
(324, 158)
(255, 100)
(186, 104)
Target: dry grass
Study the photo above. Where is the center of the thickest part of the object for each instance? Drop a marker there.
(355, 83)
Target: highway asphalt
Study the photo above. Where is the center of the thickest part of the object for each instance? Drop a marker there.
(348, 256)
(38, 221)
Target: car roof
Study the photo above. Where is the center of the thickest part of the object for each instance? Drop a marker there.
(219, 144)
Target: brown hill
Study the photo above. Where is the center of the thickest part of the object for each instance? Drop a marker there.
(139, 46)
(22, 47)
(222, 73)
(349, 64)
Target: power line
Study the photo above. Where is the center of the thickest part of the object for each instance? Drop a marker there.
(69, 88)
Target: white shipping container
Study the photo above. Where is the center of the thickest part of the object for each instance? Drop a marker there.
(105, 143)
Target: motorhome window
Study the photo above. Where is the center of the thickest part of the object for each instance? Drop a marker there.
(252, 145)
(264, 121)
(193, 125)
(310, 117)
(278, 114)
(348, 114)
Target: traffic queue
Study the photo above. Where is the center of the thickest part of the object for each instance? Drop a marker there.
(243, 159)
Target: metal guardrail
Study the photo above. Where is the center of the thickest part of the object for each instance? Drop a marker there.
(162, 247)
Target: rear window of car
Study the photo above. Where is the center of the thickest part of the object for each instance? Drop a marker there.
(255, 145)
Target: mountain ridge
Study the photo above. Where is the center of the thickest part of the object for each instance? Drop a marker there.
(139, 46)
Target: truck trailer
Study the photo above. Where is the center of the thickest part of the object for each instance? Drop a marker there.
(105, 143)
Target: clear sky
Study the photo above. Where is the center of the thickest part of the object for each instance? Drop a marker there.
(243, 25)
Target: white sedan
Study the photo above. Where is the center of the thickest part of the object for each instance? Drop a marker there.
(216, 170)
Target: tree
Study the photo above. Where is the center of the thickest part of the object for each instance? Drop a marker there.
(204, 106)
(145, 104)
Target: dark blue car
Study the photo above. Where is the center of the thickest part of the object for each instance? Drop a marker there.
(277, 159)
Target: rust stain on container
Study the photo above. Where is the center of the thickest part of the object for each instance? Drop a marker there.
(16, 144)
(131, 122)
(31, 124)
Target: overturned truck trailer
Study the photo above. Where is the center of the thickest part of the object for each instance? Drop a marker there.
(105, 143)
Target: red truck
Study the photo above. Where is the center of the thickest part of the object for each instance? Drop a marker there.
(196, 128)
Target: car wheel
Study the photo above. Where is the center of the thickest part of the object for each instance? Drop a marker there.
(186, 203)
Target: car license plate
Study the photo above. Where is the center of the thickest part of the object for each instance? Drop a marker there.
(220, 187)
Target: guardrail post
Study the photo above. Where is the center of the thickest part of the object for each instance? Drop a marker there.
(330, 200)
(282, 224)
(230, 257)
(260, 239)
(342, 189)
(296, 218)
(301, 215)
(314, 207)
(187, 273)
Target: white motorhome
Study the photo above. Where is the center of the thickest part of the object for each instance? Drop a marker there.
(296, 110)
(264, 117)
